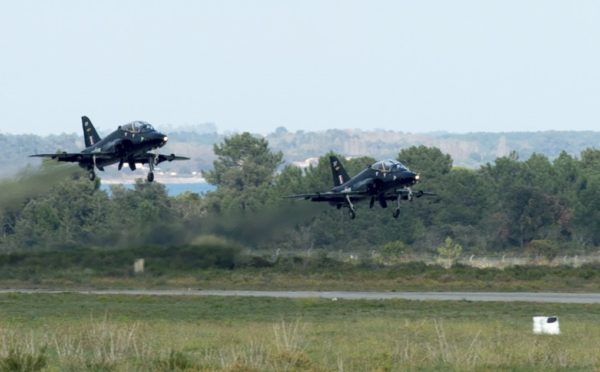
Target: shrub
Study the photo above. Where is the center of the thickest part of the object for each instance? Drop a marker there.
(18, 360)
(176, 361)
(391, 251)
(542, 248)
(449, 251)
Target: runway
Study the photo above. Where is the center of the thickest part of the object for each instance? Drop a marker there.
(572, 298)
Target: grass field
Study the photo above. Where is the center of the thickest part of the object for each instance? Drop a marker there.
(432, 278)
(85, 332)
(215, 267)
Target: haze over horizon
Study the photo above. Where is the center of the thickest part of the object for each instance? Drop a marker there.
(464, 66)
(168, 128)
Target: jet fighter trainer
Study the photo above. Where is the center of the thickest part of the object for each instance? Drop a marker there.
(130, 143)
(382, 181)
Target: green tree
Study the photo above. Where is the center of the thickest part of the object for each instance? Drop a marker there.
(430, 162)
(142, 215)
(243, 172)
(587, 216)
(433, 167)
(590, 162)
(243, 161)
(465, 197)
(69, 214)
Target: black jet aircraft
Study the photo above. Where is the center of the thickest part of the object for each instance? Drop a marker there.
(131, 143)
(382, 181)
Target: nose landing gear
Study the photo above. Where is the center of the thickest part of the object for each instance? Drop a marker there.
(151, 163)
(409, 197)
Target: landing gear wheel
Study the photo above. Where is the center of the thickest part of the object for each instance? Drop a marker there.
(396, 213)
(350, 207)
(92, 175)
(151, 164)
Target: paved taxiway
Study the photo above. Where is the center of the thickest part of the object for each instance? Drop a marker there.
(574, 298)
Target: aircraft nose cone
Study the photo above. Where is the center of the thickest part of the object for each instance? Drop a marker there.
(161, 138)
(411, 177)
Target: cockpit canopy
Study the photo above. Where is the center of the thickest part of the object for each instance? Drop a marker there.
(137, 127)
(388, 166)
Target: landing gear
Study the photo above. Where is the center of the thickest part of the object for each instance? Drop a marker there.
(151, 162)
(351, 209)
(91, 173)
(409, 197)
(397, 211)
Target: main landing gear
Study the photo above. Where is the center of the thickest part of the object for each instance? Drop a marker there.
(351, 210)
(91, 173)
(349, 205)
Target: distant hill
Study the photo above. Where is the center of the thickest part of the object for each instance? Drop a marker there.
(468, 150)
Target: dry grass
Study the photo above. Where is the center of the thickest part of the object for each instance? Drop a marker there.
(331, 336)
(370, 344)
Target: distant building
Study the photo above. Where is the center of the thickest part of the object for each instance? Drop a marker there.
(306, 162)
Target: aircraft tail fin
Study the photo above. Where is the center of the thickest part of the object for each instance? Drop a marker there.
(339, 173)
(89, 132)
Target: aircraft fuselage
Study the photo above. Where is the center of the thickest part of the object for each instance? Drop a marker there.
(126, 145)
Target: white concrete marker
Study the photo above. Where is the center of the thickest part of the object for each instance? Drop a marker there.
(138, 266)
(546, 325)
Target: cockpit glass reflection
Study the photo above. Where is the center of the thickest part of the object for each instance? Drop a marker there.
(137, 127)
(388, 166)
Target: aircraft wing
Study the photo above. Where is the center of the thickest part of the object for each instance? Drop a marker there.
(328, 196)
(159, 158)
(404, 193)
(74, 156)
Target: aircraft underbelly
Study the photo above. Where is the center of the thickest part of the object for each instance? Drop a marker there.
(105, 162)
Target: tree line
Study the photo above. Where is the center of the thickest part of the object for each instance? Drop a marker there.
(471, 149)
(531, 206)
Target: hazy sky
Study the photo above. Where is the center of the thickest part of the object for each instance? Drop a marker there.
(415, 66)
